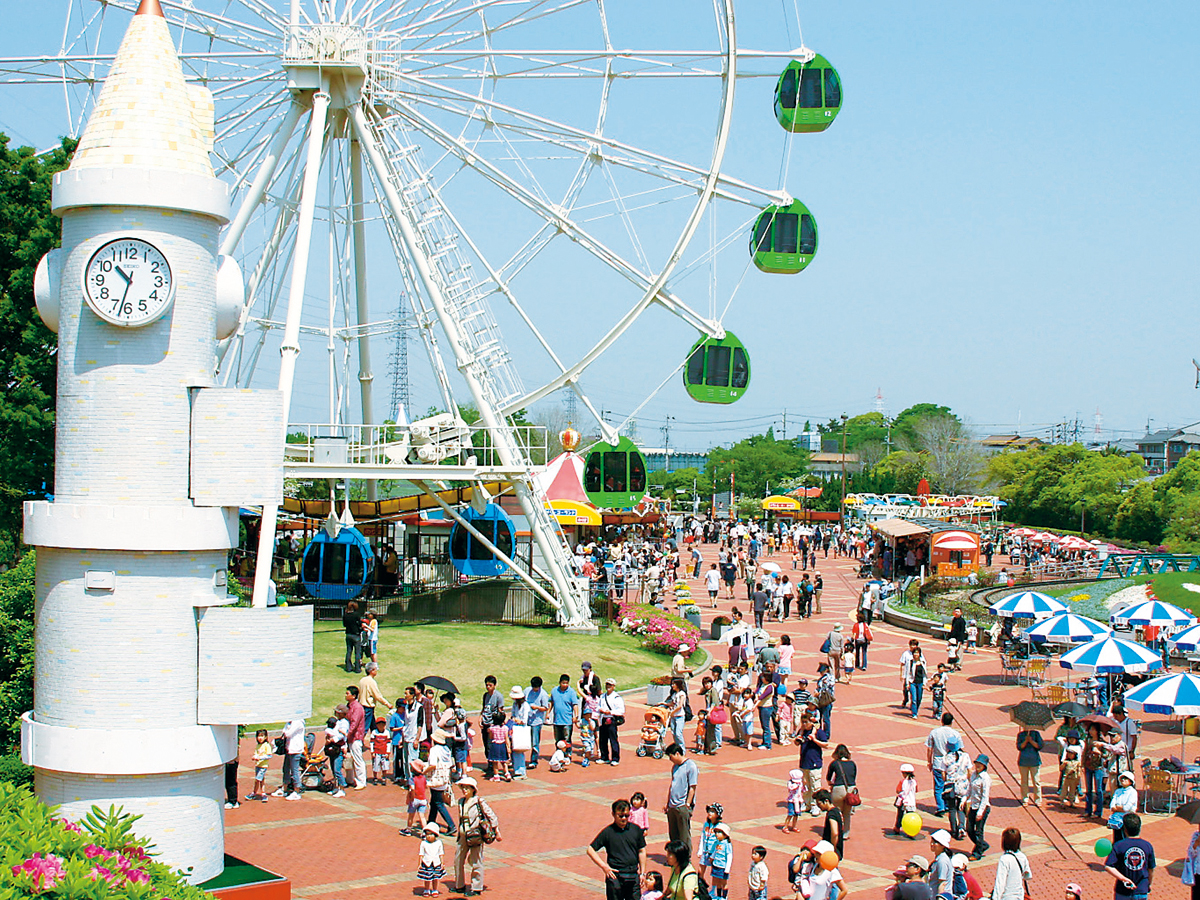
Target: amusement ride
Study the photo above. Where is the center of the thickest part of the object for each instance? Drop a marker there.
(469, 155)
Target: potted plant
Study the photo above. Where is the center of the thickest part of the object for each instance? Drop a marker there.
(691, 612)
(719, 625)
(658, 690)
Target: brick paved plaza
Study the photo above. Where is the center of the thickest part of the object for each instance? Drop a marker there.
(349, 848)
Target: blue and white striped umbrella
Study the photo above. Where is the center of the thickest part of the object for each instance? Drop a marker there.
(1168, 695)
(1186, 641)
(1155, 612)
(1066, 628)
(1111, 656)
(1027, 605)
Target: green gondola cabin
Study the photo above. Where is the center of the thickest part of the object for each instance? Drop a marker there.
(808, 96)
(614, 475)
(717, 370)
(784, 240)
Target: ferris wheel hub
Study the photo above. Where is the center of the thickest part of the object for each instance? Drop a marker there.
(328, 53)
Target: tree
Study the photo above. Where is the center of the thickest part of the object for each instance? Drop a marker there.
(755, 462)
(1056, 487)
(904, 425)
(28, 230)
(953, 458)
(16, 649)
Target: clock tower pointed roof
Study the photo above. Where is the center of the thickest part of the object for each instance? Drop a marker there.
(148, 116)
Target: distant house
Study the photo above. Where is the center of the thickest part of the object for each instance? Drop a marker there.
(1000, 443)
(1163, 449)
(828, 466)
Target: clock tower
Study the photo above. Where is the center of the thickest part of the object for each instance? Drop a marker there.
(143, 667)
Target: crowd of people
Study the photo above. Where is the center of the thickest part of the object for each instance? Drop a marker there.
(439, 749)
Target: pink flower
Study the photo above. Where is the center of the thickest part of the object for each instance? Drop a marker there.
(100, 872)
(46, 871)
(136, 876)
(93, 851)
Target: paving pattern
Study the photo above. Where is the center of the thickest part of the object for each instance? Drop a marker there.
(349, 848)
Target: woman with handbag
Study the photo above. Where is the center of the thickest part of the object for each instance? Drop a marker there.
(477, 827)
(612, 716)
(842, 777)
(520, 735)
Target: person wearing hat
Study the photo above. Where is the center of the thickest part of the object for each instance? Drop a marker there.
(965, 884)
(430, 870)
(612, 715)
(914, 886)
(437, 777)
(835, 646)
(978, 805)
(823, 880)
(801, 866)
(589, 681)
(1074, 892)
(1124, 800)
(825, 695)
(818, 585)
(520, 734)
(679, 666)
(941, 871)
(472, 836)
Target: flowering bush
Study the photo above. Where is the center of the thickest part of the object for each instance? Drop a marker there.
(97, 858)
(663, 631)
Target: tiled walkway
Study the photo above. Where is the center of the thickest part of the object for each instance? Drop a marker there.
(350, 848)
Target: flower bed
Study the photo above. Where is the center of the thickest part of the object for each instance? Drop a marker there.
(663, 631)
(97, 858)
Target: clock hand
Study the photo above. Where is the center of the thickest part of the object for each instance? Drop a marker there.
(121, 272)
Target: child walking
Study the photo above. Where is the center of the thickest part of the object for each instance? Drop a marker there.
(263, 751)
(786, 711)
(937, 690)
(795, 800)
(906, 795)
(708, 835)
(497, 747)
(721, 858)
(1070, 765)
(972, 636)
(587, 738)
(418, 799)
(431, 870)
(639, 812)
(758, 873)
(381, 742)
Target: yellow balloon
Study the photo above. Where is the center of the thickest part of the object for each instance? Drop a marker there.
(829, 860)
(911, 824)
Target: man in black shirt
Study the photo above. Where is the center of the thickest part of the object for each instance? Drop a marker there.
(958, 628)
(914, 886)
(625, 846)
(835, 826)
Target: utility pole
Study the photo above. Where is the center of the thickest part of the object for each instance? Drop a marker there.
(570, 404)
(784, 429)
(666, 433)
(843, 468)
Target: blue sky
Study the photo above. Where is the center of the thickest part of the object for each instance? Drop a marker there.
(1008, 214)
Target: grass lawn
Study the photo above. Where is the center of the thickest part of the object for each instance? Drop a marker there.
(466, 653)
(1169, 587)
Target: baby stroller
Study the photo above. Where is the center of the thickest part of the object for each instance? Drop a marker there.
(864, 569)
(313, 765)
(653, 726)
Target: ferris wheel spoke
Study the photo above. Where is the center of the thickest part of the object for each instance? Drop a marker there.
(209, 23)
(541, 63)
(440, 27)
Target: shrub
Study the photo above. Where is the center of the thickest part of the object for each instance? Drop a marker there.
(97, 858)
(663, 631)
(14, 771)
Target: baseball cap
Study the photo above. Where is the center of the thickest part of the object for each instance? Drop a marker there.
(919, 861)
(1075, 889)
(907, 767)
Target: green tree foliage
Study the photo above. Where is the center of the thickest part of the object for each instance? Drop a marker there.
(28, 230)
(1054, 487)
(755, 462)
(1165, 510)
(678, 485)
(16, 649)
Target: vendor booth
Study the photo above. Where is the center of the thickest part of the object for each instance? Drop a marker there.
(913, 545)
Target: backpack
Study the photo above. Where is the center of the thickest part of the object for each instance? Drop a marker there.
(702, 891)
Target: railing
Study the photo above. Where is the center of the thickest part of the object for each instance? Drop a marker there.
(389, 445)
(327, 44)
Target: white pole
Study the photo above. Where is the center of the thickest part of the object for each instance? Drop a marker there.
(266, 170)
(289, 350)
(365, 376)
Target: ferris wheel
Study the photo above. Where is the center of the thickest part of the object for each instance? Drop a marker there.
(541, 165)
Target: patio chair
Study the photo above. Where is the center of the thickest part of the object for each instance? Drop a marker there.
(1159, 788)
(1010, 667)
(1056, 694)
(1035, 671)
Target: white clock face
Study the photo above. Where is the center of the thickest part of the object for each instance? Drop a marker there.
(128, 282)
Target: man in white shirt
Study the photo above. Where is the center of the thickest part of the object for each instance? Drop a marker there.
(712, 583)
